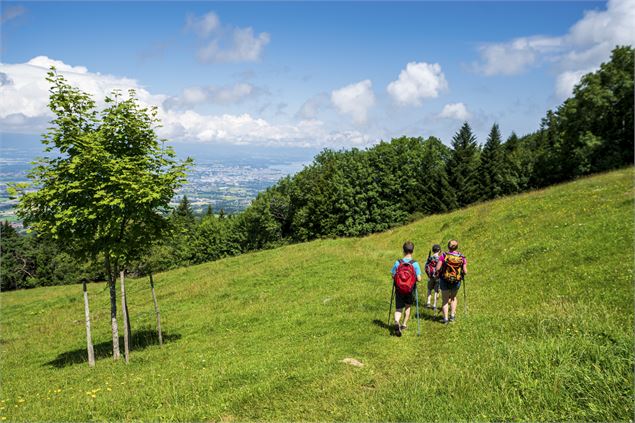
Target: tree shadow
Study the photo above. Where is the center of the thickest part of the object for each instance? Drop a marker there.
(139, 340)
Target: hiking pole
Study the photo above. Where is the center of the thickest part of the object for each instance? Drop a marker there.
(391, 298)
(417, 298)
(465, 295)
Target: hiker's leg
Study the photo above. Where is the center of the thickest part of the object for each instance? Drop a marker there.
(445, 295)
(398, 315)
(453, 302)
(406, 316)
(436, 295)
(430, 295)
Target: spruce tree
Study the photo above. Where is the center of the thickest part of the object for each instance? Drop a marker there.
(491, 170)
(463, 166)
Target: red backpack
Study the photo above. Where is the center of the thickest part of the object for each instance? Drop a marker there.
(405, 277)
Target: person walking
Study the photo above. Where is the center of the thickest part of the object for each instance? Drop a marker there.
(433, 280)
(406, 272)
(451, 270)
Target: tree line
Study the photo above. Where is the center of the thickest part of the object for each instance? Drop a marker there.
(357, 192)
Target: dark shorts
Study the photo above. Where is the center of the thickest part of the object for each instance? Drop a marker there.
(446, 286)
(433, 284)
(402, 300)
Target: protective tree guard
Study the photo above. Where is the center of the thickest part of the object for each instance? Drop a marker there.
(89, 340)
(156, 310)
(126, 341)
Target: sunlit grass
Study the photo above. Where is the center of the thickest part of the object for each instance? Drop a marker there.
(548, 335)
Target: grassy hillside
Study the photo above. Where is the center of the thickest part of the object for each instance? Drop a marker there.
(549, 335)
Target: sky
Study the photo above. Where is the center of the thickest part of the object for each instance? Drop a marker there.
(310, 75)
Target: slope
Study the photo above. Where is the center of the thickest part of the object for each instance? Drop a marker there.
(548, 335)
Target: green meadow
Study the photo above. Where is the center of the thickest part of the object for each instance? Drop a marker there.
(548, 333)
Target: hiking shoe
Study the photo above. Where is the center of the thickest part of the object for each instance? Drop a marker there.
(452, 319)
(446, 321)
(403, 327)
(397, 330)
(427, 305)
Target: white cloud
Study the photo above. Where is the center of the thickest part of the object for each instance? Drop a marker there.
(515, 56)
(567, 80)
(354, 100)
(582, 49)
(416, 82)
(225, 43)
(224, 95)
(203, 26)
(456, 111)
(24, 93)
(27, 93)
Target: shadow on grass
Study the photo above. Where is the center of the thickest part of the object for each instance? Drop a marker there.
(413, 318)
(139, 340)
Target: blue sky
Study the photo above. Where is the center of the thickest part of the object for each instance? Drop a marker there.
(310, 75)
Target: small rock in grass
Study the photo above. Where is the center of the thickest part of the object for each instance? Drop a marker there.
(353, 362)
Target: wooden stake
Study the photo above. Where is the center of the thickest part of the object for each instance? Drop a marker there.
(126, 341)
(89, 340)
(156, 310)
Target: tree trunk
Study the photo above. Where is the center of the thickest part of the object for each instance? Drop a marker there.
(89, 340)
(156, 310)
(116, 354)
(125, 316)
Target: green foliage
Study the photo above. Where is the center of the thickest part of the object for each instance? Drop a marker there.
(463, 166)
(107, 189)
(262, 337)
(492, 166)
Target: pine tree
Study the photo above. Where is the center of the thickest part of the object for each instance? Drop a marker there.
(491, 169)
(463, 166)
(210, 211)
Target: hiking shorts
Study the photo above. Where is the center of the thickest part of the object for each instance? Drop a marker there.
(433, 284)
(446, 286)
(402, 300)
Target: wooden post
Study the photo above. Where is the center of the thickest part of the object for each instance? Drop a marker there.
(89, 340)
(156, 310)
(113, 309)
(125, 316)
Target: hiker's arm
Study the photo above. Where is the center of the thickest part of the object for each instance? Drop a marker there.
(464, 266)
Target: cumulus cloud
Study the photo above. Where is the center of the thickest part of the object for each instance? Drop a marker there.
(226, 43)
(24, 109)
(515, 56)
(582, 49)
(456, 111)
(223, 95)
(25, 92)
(354, 100)
(417, 82)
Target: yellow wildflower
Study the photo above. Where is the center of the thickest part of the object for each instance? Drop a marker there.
(109, 389)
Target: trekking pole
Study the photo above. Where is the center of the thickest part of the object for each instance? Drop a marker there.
(465, 295)
(418, 323)
(390, 308)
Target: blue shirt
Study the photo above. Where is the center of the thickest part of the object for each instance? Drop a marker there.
(416, 266)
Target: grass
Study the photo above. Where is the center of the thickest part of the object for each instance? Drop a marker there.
(548, 335)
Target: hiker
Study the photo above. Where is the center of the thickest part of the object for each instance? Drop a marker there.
(451, 269)
(406, 273)
(433, 280)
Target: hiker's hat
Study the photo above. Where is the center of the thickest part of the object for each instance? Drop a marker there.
(436, 248)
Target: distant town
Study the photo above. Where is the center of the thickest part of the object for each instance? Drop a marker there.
(226, 187)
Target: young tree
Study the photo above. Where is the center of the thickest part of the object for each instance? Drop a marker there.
(106, 190)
